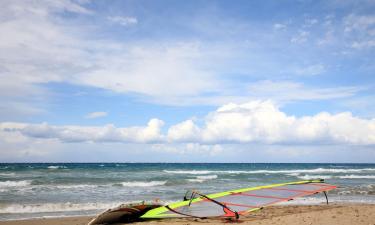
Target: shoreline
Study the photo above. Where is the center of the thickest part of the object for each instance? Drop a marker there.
(343, 214)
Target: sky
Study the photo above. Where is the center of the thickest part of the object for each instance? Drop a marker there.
(187, 81)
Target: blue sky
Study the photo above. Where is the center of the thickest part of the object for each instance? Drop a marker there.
(194, 81)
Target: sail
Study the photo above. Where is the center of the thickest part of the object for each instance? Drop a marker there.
(231, 204)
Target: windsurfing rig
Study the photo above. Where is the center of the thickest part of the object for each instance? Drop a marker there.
(235, 203)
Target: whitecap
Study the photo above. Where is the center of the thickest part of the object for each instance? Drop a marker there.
(188, 171)
(56, 167)
(311, 177)
(53, 207)
(9, 183)
(317, 170)
(7, 174)
(352, 176)
(195, 180)
(209, 177)
(143, 184)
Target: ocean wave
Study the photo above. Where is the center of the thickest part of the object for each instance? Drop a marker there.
(195, 180)
(294, 174)
(8, 183)
(209, 177)
(143, 184)
(311, 177)
(57, 167)
(201, 179)
(317, 170)
(54, 207)
(189, 171)
(7, 174)
(74, 186)
(357, 176)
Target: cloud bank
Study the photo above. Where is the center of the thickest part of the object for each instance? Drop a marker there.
(252, 122)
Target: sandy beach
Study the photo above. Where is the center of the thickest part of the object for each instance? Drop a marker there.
(348, 214)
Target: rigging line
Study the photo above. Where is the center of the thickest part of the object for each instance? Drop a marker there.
(235, 213)
(184, 214)
(221, 204)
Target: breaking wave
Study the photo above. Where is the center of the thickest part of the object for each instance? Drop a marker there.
(77, 186)
(194, 172)
(201, 179)
(7, 174)
(54, 207)
(143, 184)
(57, 167)
(318, 170)
(311, 177)
(209, 177)
(8, 183)
(357, 177)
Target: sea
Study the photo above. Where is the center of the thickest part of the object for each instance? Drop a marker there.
(42, 190)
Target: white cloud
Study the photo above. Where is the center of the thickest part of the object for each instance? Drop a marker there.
(286, 91)
(263, 122)
(311, 70)
(279, 26)
(186, 131)
(94, 115)
(40, 48)
(36, 49)
(358, 22)
(363, 44)
(300, 38)
(124, 21)
(148, 70)
(310, 22)
(109, 133)
(252, 122)
(360, 29)
(328, 38)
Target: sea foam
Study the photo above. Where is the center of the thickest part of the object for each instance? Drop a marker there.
(143, 184)
(317, 170)
(56, 167)
(357, 177)
(8, 183)
(53, 207)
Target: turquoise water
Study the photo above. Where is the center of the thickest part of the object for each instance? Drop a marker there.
(47, 190)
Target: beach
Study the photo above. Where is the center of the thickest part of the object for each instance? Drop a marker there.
(343, 214)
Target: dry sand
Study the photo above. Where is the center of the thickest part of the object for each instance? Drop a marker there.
(277, 215)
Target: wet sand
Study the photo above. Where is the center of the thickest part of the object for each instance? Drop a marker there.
(348, 214)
